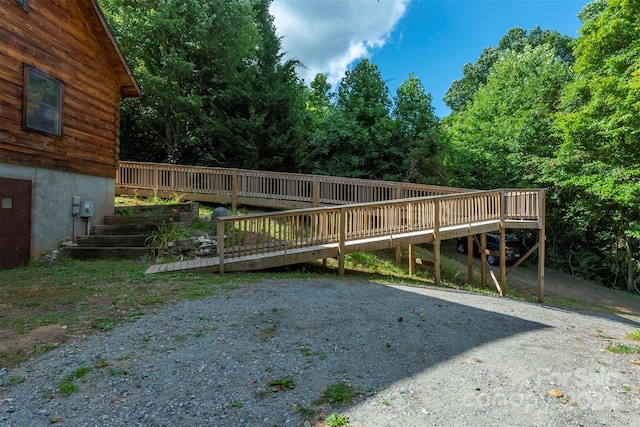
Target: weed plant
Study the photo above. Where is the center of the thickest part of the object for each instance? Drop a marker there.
(337, 420)
(341, 394)
(634, 336)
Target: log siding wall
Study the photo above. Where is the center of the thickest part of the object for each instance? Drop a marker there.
(59, 37)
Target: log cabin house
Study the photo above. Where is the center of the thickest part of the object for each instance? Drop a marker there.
(62, 77)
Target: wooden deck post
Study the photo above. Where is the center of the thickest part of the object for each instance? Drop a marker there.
(398, 250)
(220, 245)
(234, 189)
(503, 263)
(503, 252)
(470, 248)
(154, 178)
(412, 260)
(483, 259)
(315, 191)
(542, 244)
(342, 240)
(436, 243)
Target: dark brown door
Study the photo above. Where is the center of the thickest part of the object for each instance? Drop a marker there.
(15, 222)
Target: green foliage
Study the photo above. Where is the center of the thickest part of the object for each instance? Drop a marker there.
(342, 394)
(68, 386)
(623, 349)
(355, 138)
(463, 91)
(215, 92)
(282, 383)
(507, 132)
(635, 335)
(596, 167)
(416, 135)
(337, 420)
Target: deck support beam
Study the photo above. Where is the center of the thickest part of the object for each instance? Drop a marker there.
(412, 260)
(234, 189)
(470, 248)
(541, 249)
(436, 262)
(503, 262)
(483, 259)
(342, 233)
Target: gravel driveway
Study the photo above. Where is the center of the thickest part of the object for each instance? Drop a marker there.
(420, 356)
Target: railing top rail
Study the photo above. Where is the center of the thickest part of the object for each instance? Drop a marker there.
(303, 211)
(299, 176)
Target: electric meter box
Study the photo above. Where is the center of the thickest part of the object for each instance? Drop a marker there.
(86, 209)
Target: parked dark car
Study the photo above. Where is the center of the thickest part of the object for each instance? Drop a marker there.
(514, 250)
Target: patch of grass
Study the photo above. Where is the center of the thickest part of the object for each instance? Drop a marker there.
(570, 303)
(68, 386)
(341, 394)
(94, 296)
(633, 336)
(268, 333)
(337, 420)
(44, 348)
(373, 263)
(280, 384)
(101, 362)
(306, 412)
(13, 380)
(103, 324)
(305, 351)
(623, 349)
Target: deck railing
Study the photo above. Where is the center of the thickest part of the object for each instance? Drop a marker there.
(265, 188)
(257, 234)
(354, 209)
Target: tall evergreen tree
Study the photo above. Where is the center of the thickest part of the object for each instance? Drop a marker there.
(415, 133)
(363, 102)
(215, 90)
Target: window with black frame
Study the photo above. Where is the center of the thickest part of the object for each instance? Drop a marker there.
(42, 102)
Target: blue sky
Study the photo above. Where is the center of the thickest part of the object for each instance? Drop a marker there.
(432, 38)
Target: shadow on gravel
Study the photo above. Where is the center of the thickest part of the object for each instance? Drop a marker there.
(211, 361)
(383, 333)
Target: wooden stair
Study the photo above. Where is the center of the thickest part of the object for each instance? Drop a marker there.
(126, 235)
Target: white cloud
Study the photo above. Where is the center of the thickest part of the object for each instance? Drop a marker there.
(327, 36)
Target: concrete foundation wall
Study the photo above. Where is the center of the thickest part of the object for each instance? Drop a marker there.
(51, 217)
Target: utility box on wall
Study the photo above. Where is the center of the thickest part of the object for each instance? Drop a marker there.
(86, 209)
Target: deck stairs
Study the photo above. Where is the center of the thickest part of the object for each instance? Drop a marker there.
(128, 233)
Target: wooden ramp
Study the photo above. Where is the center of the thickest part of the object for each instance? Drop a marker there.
(297, 255)
(249, 262)
(346, 215)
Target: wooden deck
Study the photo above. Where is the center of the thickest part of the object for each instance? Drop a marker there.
(346, 215)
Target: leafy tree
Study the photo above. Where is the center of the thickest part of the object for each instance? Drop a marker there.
(597, 163)
(415, 132)
(215, 90)
(507, 131)
(178, 58)
(475, 75)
